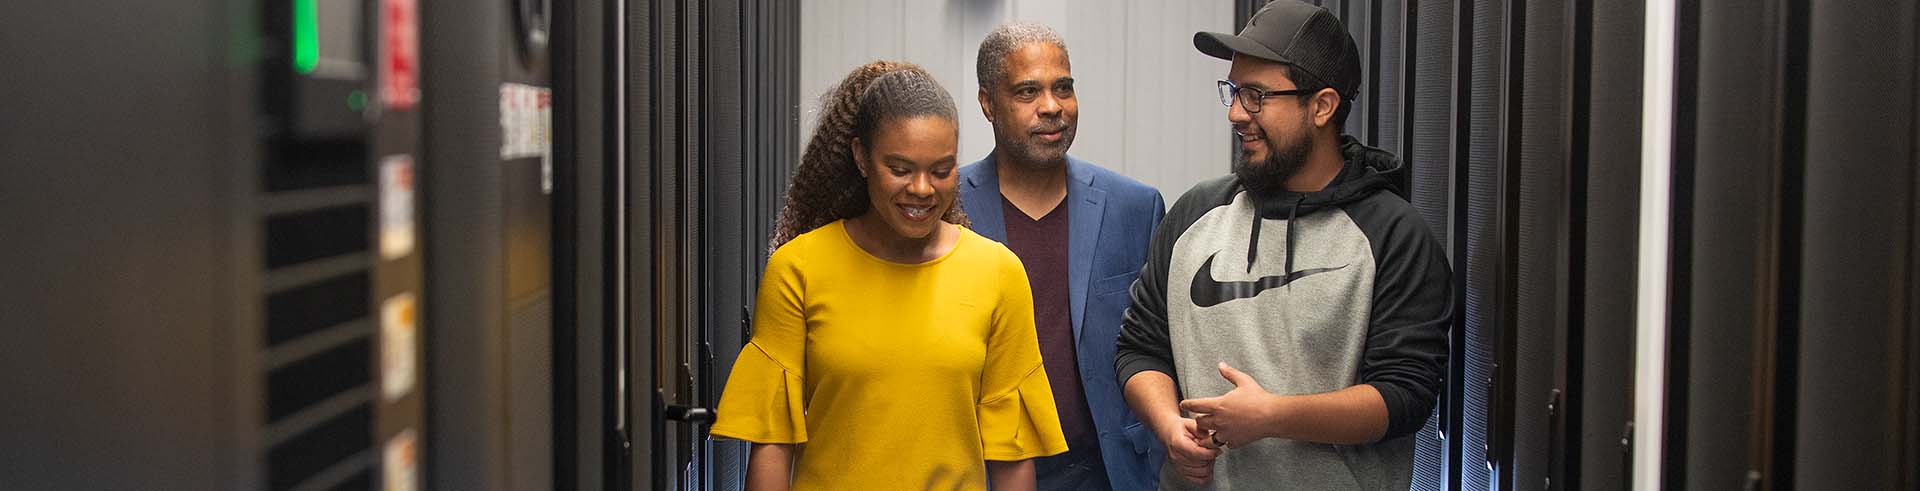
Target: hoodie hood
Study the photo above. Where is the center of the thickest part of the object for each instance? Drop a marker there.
(1368, 170)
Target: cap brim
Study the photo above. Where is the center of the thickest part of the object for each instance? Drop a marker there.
(1223, 46)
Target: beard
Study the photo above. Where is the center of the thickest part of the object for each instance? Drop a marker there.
(1282, 162)
(1026, 149)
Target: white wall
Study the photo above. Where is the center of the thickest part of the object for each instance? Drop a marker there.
(1148, 107)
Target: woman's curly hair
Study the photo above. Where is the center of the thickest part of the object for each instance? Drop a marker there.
(827, 186)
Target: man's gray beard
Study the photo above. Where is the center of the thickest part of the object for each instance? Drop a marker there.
(1027, 154)
(1272, 173)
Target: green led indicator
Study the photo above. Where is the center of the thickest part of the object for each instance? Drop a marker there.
(357, 100)
(306, 36)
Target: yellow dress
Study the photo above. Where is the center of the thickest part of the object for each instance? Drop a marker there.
(892, 376)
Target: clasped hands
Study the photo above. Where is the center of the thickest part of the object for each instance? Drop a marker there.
(1230, 420)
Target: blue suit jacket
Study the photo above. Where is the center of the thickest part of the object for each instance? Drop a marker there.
(1111, 219)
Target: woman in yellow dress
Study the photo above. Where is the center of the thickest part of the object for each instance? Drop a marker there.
(892, 347)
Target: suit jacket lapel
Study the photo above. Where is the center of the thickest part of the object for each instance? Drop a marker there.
(1086, 203)
(983, 205)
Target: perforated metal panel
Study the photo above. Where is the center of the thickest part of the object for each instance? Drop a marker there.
(638, 413)
(1612, 220)
(1483, 310)
(1740, 75)
(1386, 74)
(1540, 330)
(1430, 158)
(1860, 118)
(744, 112)
(1431, 150)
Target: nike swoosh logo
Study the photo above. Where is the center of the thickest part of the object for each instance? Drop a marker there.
(1207, 292)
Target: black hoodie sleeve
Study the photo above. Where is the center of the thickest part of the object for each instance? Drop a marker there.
(1412, 311)
(1143, 344)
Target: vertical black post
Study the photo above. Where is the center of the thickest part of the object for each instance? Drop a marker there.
(1373, 69)
(616, 451)
(565, 237)
(1459, 110)
(1573, 354)
(1793, 163)
(1506, 323)
(1686, 74)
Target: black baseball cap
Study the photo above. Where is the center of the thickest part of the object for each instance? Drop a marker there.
(1299, 34)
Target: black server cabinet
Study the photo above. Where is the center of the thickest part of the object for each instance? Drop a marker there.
(1796, 356)
(589, 438)
(487, 96)
(1540, 335)
(1857, 401)
(130, 338)
(1431, 157)
(344, 376)
(1736, 210)
(1606, 174)
(215, 255)
(711, 129)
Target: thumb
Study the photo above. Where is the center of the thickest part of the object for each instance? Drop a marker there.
(1202, 406)
(1239, 379)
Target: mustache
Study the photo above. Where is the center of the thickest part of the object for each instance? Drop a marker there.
(1053, 126)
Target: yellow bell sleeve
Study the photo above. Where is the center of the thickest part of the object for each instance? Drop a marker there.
(1016, 411)
(764, 400)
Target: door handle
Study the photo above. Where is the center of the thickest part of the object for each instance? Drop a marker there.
(690, 414)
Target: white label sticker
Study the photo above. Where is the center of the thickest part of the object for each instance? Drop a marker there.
(512, 125)
(399, 317)
(545, 140)
(526, 122)
(396, 206)
(400, 463)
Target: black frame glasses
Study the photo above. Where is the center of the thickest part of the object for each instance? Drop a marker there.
(1253, 98)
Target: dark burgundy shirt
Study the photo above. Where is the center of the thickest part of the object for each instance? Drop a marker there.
(1042, 247)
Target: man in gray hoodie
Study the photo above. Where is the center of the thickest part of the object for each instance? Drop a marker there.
(1299, 305)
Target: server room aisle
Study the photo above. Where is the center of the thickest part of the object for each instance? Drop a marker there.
(513, 244)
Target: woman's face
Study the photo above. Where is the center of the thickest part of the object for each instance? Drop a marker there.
(909, 166)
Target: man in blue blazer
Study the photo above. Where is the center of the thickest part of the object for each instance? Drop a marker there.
(1082, 233)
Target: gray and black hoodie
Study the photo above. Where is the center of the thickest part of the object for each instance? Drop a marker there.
(1308, 293)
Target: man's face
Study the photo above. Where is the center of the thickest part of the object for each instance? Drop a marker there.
(1275, 137)
(1033, 110)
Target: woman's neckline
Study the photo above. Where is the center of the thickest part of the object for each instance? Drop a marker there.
(847, 234)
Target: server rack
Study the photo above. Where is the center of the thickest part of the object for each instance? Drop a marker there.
(132, 254)
(1797, 363)
(714, 115)
(244, 260)
(215, 266)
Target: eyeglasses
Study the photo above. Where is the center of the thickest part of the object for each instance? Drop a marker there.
(1250, 97)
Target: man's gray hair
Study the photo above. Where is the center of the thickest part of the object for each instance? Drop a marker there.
(991, 65)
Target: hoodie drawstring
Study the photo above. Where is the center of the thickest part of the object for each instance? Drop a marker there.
(1291, 214)
(1253, 239)
(1253, 242)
